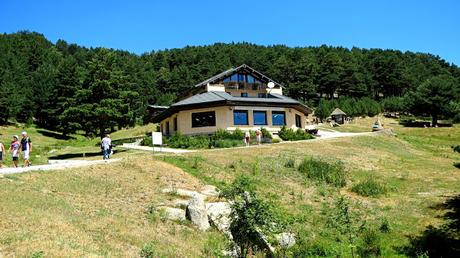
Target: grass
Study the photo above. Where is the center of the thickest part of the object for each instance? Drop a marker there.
(97, 211)
(416, 168)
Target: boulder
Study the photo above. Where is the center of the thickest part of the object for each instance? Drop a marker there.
(173, 214)
(197, 213)
(286, 240)
(219, 215)
(182, 192)
(180, 204)
(210, 190)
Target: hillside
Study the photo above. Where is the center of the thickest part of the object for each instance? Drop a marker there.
(102, 211)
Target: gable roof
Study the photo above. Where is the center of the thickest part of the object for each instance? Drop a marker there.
(338, 111)
(218, 98)
(243, 67)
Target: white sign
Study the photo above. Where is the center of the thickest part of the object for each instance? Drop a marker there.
(157, 138)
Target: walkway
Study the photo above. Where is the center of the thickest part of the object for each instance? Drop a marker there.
(56, 165)
(157, 149)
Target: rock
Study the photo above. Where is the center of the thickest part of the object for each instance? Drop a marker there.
(286, 240)
(196, 212)
(173, 214)
(180, 204)
(210, 190)
(219, 215)
(182, 192)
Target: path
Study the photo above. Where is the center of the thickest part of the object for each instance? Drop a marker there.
(157, 149)
(56, 165)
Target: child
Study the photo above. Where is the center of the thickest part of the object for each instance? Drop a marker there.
(247, 138)
(15, 150)
(2, 150)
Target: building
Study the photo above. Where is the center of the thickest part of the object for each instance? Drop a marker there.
(338, 116)
(240, 97)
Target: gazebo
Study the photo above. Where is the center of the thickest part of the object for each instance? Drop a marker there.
(338, 116)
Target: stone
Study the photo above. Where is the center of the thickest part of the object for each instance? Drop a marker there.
(173, 214)
(219, 215)
(197, 213)
(210, 190)
(286, 240)
(180, 204)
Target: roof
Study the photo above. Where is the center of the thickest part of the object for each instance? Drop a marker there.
(231, 71)
(217, 98)
(338, 111)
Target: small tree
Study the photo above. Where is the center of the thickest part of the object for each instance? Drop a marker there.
(251, 217)
(434, 97)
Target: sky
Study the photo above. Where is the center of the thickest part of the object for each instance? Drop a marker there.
(141, 26)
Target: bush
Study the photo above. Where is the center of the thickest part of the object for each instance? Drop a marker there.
(370, 244)
(369, 187)
(148, 251)
(290, 163)
(227, 143)
(266, 133)
(321, 171)
(291, 135)
(188, 142)
(147, 141)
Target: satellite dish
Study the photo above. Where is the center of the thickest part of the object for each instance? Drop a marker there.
(271, 85)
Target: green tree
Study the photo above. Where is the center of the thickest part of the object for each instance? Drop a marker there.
(434, 97)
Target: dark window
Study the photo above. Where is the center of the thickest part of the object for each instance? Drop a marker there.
(244, 94)
(175, 124)
(260, 117)
(240, 117)
(234, 78)
(278, 118)
(298, 121)
(262, 95)
(167, 128)
(204, 119)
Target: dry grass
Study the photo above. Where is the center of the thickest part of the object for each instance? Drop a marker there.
(96, 211)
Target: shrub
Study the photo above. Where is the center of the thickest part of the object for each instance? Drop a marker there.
(227, 143)
(288, 134)
(290, 163)
(385, 226)
(276, 140)
(147, 141)
(238, 134)
(177, 140)
(148, 251)
(370, 244)
(369, 187)
(266, 133)
(322, 171)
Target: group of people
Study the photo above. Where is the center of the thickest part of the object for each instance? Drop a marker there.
(17, 147)
(247, 137)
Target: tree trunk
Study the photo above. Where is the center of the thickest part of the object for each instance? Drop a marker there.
(434, 120)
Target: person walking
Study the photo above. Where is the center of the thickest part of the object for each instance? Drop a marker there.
(258, 136)
(2, 151)
(14, 149)
(26, 148)
(247, 138)
(106, 146)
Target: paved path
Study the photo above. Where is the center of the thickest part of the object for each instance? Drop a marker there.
(56, 165)
(157, 149)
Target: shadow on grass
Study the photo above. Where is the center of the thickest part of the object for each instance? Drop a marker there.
(82, 155)
(55, 135)
(442, 241)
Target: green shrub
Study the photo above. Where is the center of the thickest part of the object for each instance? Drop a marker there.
(177, 140)
(288, 134)
(369, 245)
(290, 163)
(37, 254)
(369, 187)
(385, 226)
(227, 143)
(276, 140)
(322, 171)
(147, 141)
(317, 248)
(238, 134)
(266, 133)
(148, 251)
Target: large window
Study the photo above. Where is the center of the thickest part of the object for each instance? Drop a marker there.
(203, 119)
(240, 117)
(278, 118)
(260, 117)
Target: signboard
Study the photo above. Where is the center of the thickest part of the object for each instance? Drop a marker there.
(157, 138)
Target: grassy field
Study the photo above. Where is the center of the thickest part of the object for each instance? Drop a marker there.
(101, 211)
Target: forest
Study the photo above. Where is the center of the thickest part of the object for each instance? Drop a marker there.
(68, 88)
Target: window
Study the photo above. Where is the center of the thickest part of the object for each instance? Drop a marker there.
(240, 117)
(167, 128)
(244, 94)
(203, 119)
(250, 79)
(278, 118)
(262, 95)
(260, 117)
(175, 124)
(241, 78)
(298, 121)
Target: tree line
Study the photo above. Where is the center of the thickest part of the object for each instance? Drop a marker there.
(69, 88)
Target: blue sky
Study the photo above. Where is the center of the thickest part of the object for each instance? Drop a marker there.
(141, 26)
